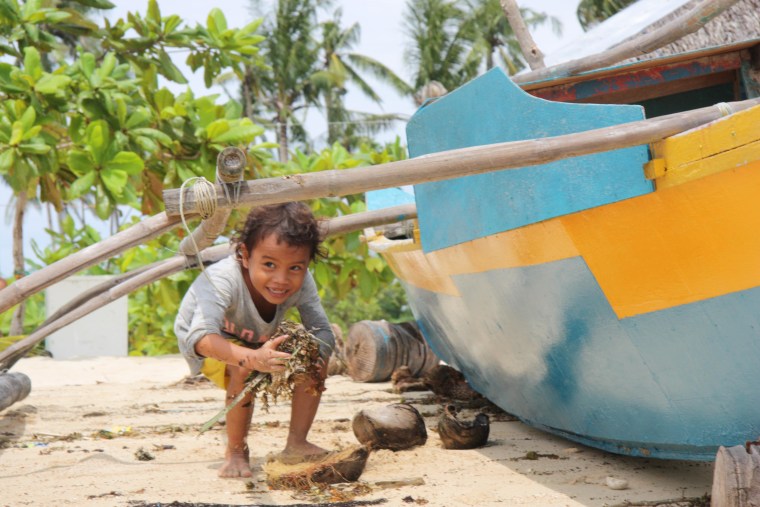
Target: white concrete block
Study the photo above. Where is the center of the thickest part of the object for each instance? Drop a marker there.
(101, 333)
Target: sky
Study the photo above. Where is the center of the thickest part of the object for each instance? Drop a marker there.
(382, 38)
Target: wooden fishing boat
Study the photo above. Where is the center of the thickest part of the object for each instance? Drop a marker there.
(611, 298)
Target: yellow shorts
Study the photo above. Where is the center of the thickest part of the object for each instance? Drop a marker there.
(216, 371)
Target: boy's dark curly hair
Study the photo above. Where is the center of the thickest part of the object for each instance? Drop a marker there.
(291, 222)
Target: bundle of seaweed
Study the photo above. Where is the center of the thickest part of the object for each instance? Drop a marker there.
(302, 367)
(343, 466)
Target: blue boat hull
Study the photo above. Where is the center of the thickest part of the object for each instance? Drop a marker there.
(543, 343)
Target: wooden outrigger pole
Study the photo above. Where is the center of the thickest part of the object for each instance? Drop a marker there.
(461, 162)
(530, 50)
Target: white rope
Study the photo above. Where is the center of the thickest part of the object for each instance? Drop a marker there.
(724, 108)
(205, 197)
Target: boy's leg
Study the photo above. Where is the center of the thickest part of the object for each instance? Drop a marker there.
(236, 457)
(302, 412)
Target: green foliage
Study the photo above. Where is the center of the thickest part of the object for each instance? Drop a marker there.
(69, 240)
(33, 317)
(451, 41)
(98, 124)
(440, 37)
(83, 120)
(389, 303)
(494, 37)
(338, 66)
(153, 308)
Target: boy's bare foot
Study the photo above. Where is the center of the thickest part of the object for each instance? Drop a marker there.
(298, 453)
(236, 463)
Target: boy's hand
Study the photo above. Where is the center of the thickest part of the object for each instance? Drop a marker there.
(268, 359)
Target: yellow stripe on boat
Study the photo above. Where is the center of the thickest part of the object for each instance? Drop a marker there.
(723, 144)
(533, 244)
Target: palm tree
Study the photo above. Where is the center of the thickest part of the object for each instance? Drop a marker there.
(592, 12)
(292, 53)
(494, 35)
(441, 39)
(339, 66)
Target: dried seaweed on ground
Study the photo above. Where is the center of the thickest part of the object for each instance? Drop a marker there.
(303, 366)
(355, 503)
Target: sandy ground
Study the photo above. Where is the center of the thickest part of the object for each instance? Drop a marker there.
(55, 450)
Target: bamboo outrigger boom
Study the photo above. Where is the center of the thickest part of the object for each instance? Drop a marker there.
(461, 162)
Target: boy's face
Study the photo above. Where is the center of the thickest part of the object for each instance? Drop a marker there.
(276, 269)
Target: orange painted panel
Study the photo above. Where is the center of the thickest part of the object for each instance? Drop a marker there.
(682, 244)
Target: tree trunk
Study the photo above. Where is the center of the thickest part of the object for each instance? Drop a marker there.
(17, 323)
(246, 91)
(282, 136)
(332, 127)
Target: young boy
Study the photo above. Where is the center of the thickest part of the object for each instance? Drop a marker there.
(232, 309)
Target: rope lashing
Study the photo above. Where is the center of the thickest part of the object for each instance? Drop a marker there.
(205, 196)
(724, 108)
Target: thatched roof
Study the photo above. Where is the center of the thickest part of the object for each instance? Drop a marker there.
(738, 23)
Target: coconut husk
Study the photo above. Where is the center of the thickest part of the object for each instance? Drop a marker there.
(450, 383)
(343, 466)
(396, 427)
(404, 381)
(461, 434)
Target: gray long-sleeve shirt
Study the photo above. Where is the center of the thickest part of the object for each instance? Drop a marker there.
(218, 302)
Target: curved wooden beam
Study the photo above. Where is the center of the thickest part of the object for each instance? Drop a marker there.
(109, 247)
(160, 270)
(121, 285)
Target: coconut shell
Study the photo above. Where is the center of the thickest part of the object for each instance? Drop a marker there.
(395, 427)
(457, 434)
(403, 381)
(450, 383)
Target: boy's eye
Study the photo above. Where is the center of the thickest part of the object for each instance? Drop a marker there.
(296, 268)
(269, 264)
